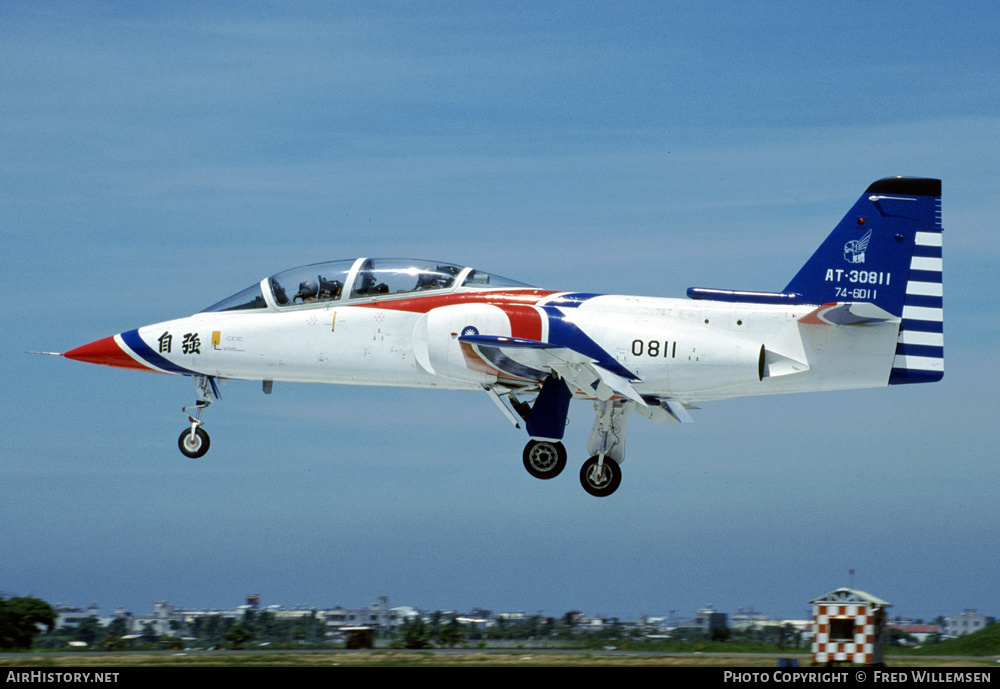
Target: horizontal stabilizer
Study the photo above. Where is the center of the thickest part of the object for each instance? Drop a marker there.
(849, 313)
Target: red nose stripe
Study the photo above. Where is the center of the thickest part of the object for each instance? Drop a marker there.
(105, 352)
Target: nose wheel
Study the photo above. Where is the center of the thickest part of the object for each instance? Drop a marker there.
(194, 442)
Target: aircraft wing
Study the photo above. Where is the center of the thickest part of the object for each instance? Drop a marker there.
(534, 361)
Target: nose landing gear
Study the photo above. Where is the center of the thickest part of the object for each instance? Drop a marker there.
(194, 442)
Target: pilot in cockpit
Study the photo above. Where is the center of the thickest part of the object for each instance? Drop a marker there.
(308, 291)
(329, 289)
(442, 278)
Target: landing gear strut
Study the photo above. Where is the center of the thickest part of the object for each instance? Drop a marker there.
(601, 474)
(194, 442)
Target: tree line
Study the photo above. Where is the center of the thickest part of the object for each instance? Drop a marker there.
(20, 618)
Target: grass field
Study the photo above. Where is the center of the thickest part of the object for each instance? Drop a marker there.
(981, 649)
(441, 659)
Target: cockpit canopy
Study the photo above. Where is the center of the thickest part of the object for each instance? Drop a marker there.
(358, 280)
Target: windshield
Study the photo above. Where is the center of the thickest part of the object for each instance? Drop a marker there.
(250, 298)
(477, 278)
(399, 276)
(374, 277)
(312, 283)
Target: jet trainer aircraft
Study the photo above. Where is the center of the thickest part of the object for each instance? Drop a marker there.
(864, 311)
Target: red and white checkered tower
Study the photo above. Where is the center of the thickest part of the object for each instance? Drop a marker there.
(849, 626)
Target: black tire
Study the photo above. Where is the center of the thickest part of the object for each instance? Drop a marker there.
(605, 484)
(544, 459)
(196, 448)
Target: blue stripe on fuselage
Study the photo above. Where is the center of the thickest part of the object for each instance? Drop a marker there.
(569, 299)
(137, 345)
(565, 333)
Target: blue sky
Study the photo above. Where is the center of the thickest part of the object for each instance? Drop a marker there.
(157, 158)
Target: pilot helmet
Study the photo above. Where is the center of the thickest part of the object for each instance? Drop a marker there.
(307, 288)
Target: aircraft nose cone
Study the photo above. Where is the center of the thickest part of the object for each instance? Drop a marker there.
(106, 352)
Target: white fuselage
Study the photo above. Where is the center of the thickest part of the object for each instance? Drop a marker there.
(683, 349)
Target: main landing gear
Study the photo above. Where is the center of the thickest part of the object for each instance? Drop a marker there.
(600, 475)
(544, 458)
(194, 441)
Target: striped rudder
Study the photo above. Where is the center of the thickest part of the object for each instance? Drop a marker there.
(920, 347)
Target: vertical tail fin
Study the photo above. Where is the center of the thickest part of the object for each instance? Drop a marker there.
(887, 251)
